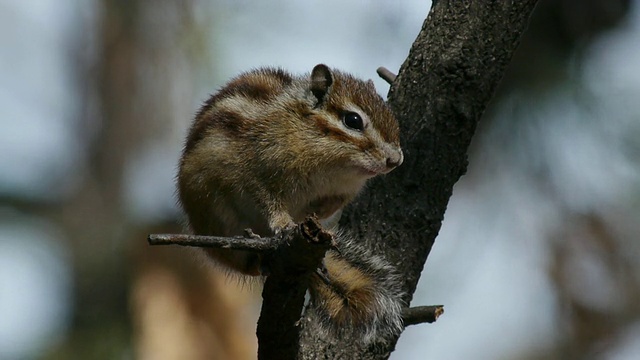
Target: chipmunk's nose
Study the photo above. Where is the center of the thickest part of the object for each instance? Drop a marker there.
(395, 159)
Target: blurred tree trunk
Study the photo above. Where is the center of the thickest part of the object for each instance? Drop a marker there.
(177, 308)
(559, 34)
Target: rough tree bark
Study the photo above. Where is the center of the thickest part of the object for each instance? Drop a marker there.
(441, 91)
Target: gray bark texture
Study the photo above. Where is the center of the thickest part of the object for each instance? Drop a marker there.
(441, 91)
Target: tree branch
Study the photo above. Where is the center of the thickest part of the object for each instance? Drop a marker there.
(421, 314)
(291, 258)
(249, 242)
(386, 75)
(283, 294)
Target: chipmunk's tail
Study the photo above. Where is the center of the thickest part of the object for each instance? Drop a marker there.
(360, 291)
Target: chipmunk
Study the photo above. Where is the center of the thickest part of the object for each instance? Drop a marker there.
(271, 148)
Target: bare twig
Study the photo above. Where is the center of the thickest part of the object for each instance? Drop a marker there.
(422, 314)
(386, 75)
(247, 243)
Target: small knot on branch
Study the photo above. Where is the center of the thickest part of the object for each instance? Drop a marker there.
(386, 75)
(302, 248)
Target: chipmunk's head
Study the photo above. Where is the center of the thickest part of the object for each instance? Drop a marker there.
(350, 113)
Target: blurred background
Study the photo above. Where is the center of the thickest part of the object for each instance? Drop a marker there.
(537, 258)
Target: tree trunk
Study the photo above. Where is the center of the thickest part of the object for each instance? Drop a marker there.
(440, 93)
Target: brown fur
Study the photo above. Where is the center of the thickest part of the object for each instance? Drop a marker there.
(349, 296)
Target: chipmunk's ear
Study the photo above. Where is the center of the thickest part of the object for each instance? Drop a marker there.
(321, 80)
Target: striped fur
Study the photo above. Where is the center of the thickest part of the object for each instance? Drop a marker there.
(364, 293)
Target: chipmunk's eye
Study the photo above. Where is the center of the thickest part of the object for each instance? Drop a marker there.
(353, 120)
